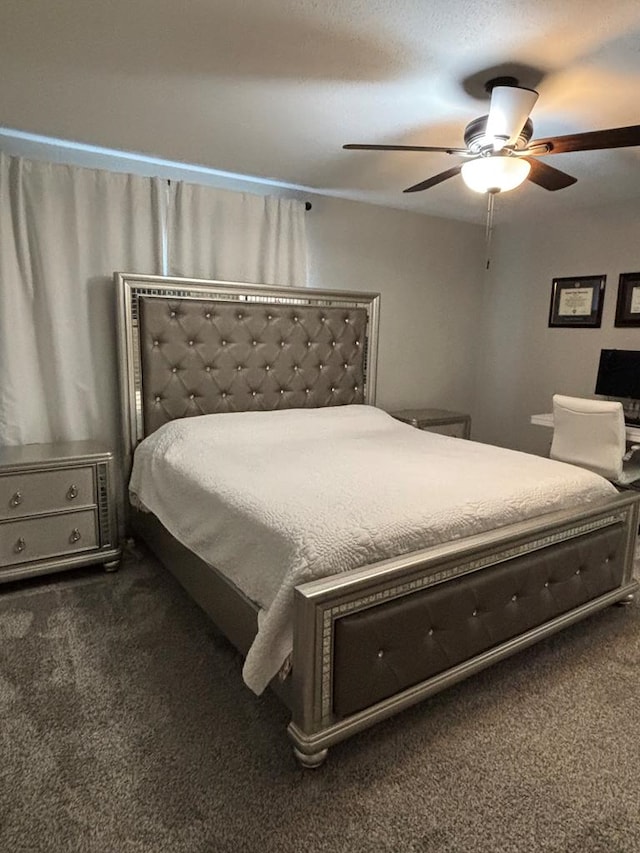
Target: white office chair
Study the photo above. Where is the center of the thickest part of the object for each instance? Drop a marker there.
(591, 434)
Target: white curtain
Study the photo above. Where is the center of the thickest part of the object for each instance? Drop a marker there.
(63, 232)
(234, 236)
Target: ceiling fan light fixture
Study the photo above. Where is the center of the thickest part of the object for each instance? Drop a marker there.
(499, 173)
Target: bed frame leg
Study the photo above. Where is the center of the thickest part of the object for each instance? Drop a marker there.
(111, 566)
(626, 600)
(310, 761)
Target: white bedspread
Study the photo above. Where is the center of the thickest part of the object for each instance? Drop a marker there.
(274, 499)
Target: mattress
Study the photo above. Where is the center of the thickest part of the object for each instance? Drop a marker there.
(275, 499)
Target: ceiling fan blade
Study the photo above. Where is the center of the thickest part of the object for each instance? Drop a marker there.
(509, 110)
(594, 140)
(354, 146)
(435, 180)
(548, 177)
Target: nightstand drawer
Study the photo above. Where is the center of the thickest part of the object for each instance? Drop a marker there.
(32, 492)
(38, 538)
(458, 430)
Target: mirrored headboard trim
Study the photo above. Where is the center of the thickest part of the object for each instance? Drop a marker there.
(293, 309)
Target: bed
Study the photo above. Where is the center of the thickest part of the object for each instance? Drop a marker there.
(398, 622)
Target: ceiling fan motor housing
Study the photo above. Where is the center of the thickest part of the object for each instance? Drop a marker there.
(477, 141)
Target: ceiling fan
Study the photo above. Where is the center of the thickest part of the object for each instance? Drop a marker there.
(500, 153)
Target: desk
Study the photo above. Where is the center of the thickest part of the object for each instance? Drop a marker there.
(546, 420)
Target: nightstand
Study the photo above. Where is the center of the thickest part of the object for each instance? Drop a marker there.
(442, 421)
(57, 509)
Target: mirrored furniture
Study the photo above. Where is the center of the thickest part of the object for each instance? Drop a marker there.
(355, 633)
(57, 509)
(442, 421)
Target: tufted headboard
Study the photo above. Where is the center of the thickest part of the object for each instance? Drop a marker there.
(192, 347)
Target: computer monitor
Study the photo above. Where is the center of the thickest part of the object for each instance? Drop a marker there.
(619, 374)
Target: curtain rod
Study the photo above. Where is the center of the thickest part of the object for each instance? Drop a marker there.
(307, 204)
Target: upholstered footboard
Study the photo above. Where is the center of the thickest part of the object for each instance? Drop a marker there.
(374, 641)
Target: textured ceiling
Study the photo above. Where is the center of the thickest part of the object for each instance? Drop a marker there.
(273, 88)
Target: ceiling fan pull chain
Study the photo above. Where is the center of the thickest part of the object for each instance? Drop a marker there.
(488, 234)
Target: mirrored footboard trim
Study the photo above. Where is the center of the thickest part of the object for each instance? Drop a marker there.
(319, 604)
(315, 741)
(330, 614)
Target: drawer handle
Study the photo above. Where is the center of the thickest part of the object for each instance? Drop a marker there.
(72, 492)
(75, 535)
(16, 499)
(20, 546)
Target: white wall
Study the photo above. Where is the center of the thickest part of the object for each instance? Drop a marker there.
(523, 362)
(429, 274)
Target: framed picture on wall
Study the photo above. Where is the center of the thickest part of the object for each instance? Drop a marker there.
(577, 302)
(628, 304)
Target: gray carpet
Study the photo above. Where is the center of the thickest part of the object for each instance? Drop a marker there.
(125, 727)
